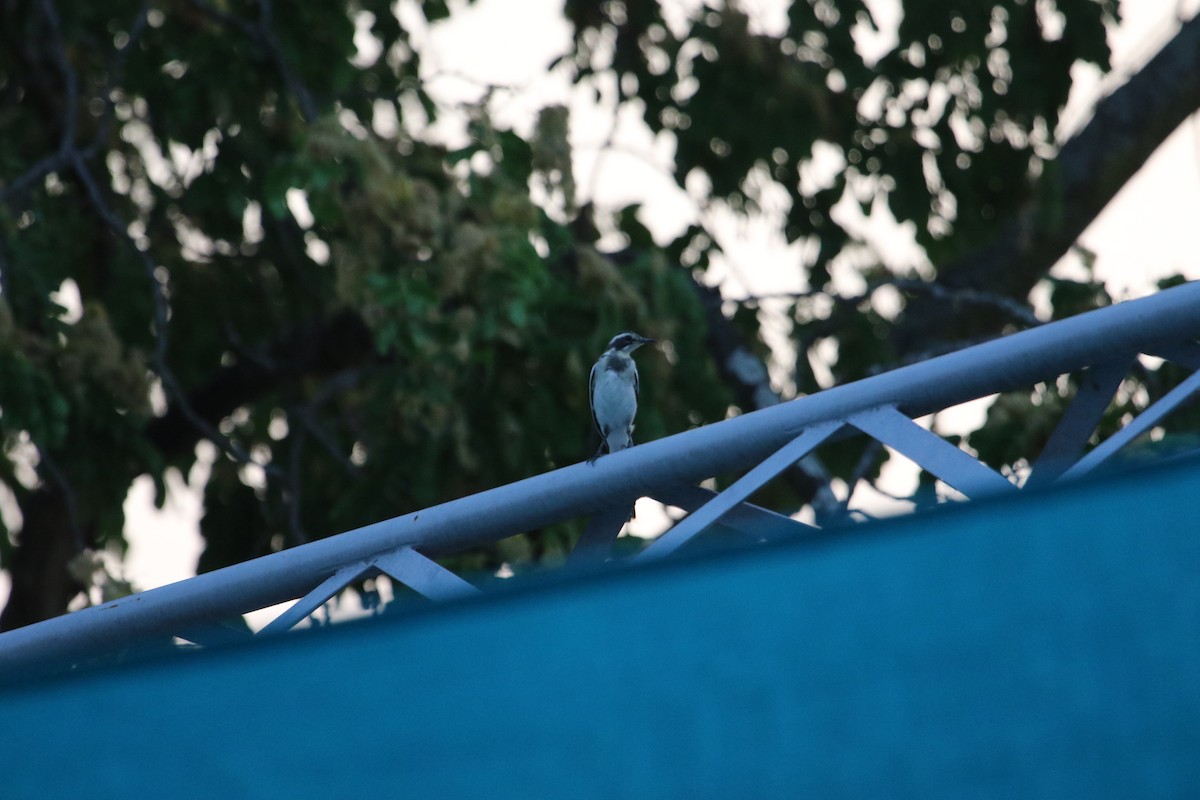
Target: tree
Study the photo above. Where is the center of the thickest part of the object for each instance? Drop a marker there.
(272, 254)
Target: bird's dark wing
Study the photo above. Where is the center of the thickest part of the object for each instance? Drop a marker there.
(592, 398)
(637, 383)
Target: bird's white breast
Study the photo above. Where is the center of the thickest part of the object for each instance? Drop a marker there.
(615, 404)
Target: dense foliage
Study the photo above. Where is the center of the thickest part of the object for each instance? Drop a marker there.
(272, 252)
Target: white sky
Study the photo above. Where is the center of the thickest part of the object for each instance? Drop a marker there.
(1148, 231)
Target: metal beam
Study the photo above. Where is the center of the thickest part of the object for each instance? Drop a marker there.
(427, 577)
(596, 541)
(1186, 354)
(315, 599)
(1096, 389)
(931, 452)
(1141, 424)
(752, 520)
(748, 484)
(216, 634)
(737, 444)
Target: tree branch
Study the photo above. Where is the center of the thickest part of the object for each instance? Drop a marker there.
(316, 348)
(38, 567)
(65, 155)
(1019, 312)
(1126, 129)
(263, 34)
(747, 375)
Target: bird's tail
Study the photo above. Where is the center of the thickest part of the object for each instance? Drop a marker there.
(619, 440)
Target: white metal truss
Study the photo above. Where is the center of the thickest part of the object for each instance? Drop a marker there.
(1099, 347)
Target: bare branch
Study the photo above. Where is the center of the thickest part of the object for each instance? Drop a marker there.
(116, 69)
(22, 183)
(262, 33)
(71, 157)
(70, 81)
(228, 20)
(71, 500)
(304, 101)
(937, 291)
(1017, 311)
(292, 492)
(306, 415)
(64, 156)
(747, 375)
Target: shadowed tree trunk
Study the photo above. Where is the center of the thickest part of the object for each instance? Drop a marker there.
(41, 584)
(1125, 130)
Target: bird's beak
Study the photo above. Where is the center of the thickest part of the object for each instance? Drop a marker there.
(648, 341)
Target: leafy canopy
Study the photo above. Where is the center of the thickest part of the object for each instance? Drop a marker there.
(274, 253)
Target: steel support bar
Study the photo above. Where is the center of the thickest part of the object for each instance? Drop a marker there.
(741, 489)
(314, 599)
(1022, 359)
(1096, 389)
(596, 541)
(215, 634)
(1144, 422)
(1186, 354)
(755, 521)
(931, 452)
(423, 575)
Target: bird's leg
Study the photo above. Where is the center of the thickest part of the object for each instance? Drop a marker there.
(599, 451)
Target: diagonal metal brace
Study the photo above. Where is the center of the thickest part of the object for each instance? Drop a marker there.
(747, 518)
(1144, 422)
(931, 452)
(1096, 389)
(745, 486)
(425, 576)
(595, 543)
(316, 598)
(1186, 354)
(215, 634)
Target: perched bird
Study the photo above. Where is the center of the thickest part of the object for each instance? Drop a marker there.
(613, 393)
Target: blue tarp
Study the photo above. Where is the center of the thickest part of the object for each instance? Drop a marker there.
(1041, 646)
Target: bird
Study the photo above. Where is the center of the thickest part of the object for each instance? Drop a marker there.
(613, 393)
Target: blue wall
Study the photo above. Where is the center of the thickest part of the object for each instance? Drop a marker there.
(1047, 645)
